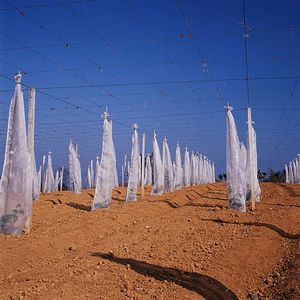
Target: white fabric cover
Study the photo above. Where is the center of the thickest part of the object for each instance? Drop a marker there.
(167, 168)
(291, 176)
(43, 175)
(298, 168)
(234, 177)
(192, 168)
(294, 172)
(174, 172)
(213, 173)
(49, 176)
(56, 181)
(205, 180)
(287, 179)
(158, 173)
(97, 168)
(74, 169)
(61, 179)
(133, 178)
(16, 181)
(148, 171)
(89, 179)
(201, 168)
(178, 168)
(186, 169)
(106, 173)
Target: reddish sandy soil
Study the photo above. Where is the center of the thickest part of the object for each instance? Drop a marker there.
(182, 245)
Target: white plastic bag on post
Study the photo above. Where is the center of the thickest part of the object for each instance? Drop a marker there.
(174, 172)
(294, 172)
(204, 169)
(287, 180)
(148, 171)
(192, 168)
(234, 179)
(49, 176)
(197, 169)
(61, 179)
(201, 167)
(16, 180)
(56, 182)
(133, 178)
(208, 171)
(97, 168)
(89, 179)
(106, 172)
(213, 173)
(74, 169)
(186, 168)
(291, 176)
(158, 172)
(298, 169)
(168, 168)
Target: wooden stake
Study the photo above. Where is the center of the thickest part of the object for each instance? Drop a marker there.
(250, 143)
(143, 166)
(30, 143)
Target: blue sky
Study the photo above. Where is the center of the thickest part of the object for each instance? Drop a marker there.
(139, 59)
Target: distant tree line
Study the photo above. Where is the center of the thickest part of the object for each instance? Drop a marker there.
(269, 176)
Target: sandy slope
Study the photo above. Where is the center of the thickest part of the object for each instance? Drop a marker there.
(182, 245)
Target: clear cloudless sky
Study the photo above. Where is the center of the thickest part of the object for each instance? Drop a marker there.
(170, 66)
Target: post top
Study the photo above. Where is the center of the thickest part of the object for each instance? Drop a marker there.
(228, 107)
(105, 115)
(18, 77)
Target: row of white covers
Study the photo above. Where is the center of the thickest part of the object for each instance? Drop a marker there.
(166, 176)
(292, 171)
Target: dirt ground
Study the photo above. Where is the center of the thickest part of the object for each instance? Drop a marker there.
(181, 245)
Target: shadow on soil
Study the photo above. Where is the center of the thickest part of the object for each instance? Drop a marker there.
(290, 190)
(175, 205)
(282, 205)
(204, 285)
(270, 226)
(54, 201)
(79, 206)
